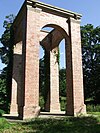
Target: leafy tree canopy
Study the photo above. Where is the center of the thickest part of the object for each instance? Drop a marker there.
(91, 59)
(5, 39)
(6, 58)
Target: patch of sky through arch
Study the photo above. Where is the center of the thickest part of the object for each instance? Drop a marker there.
(62, 54)
(48, 29)
(61, 49)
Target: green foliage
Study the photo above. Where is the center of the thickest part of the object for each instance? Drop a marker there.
(1, 112)
(43, 80)
(5, 40)
(93, 108)
(44, 76)
(91, 60)
(3, 94)
(62, 82)
(4, 125)
(63, 103)
(4, 101)
(41, 103)
(95, 114)
(41, 77)
(6, 51)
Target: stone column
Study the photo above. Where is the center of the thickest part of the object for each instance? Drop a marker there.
(13, 106)
(75, 95)
(16, 78)
(54, 81)
(31, 88)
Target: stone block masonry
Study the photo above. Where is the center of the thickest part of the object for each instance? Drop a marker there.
(32, 17)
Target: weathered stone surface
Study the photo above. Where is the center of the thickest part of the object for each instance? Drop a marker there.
(27, 37)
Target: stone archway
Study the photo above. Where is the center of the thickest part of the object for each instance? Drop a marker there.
(27, 37)
(51, 46)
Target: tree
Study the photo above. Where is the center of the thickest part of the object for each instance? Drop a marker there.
(91, 60)
(3, 95)
(41, 77)
(62, 82)
(6, 51)
(5, 40)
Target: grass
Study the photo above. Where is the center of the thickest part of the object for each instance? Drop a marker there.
(93, 108)
(4, 124)
(94, 113)
(88, 124)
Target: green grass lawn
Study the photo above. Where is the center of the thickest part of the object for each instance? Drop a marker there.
(88, 124)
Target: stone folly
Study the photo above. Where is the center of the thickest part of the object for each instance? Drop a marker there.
(27, 38)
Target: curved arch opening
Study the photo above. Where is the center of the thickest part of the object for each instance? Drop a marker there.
(59, 28)
(53, 65)
(62, 75)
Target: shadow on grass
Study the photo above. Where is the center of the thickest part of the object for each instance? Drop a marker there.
(65, 125)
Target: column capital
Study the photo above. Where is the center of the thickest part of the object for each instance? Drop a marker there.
(73, 20)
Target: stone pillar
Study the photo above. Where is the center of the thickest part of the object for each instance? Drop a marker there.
(75, 95)
(31, 88)
(16, 78)
(13, 106)
(54, 81)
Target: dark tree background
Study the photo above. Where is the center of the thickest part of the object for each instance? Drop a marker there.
(6, 51)
(91, 61)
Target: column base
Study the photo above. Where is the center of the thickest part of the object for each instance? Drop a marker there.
(55, 111)
(29, 112)
(13, 110)
(77, 111)
(80, 110)
(55, 108)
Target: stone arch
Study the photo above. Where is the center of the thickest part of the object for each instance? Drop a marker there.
(31, 18)
(57, 31)
(59, 28)
(51, 46)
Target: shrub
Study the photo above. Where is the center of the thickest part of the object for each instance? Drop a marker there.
(63, 103)
(1, 112)
(93, 108)
(41, 102)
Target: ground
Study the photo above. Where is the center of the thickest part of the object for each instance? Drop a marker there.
(88, 124)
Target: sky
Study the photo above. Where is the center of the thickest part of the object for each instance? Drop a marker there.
(90, 10)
